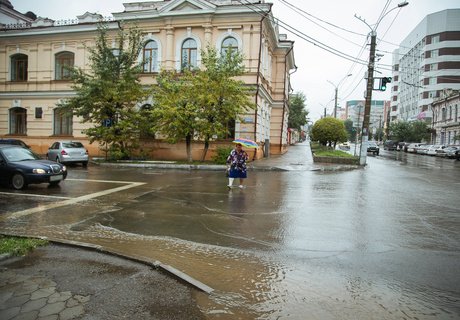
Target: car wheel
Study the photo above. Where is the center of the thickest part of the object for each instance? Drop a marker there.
(57, 160)
(84, 164)
(54, 183)
(377, 153)
(18, 181)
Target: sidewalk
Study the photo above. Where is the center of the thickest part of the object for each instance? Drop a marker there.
(297, 158)
(60, 282)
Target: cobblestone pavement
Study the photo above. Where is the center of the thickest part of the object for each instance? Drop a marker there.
(59, 282)
(36, 297)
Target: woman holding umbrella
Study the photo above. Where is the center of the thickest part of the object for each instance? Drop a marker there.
(236, 162)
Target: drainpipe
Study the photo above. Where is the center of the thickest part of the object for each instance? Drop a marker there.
(284, 94)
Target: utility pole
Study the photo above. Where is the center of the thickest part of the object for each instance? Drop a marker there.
(370, 83)
(367, 105)
(335, 103)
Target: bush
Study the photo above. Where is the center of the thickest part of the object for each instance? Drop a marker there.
(221, 155)
(329, 131)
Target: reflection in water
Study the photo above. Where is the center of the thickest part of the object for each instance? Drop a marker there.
(292, 245)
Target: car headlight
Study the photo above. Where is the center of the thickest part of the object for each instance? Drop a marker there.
(64, 168)
(39, 171)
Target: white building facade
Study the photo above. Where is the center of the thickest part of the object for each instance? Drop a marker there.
(426, 63)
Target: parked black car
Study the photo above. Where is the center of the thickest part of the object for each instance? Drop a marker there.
(390, 145)
(373, 147)
(20, 167)
(15, 142)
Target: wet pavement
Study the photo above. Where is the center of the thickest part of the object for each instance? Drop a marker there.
(301, 241)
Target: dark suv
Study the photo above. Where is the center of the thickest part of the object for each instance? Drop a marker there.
(373, 147)
(15, 142)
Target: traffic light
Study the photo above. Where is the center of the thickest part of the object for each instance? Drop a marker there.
(383, 83)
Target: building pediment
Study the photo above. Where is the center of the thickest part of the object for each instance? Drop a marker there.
(89, 17)
(43, 22)
(187, 7)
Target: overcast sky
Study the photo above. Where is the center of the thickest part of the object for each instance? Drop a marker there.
(331, 22)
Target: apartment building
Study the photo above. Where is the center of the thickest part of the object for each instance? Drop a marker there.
(35, 51)
(426, 63)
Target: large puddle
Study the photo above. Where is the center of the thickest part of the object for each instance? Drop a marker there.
(310, 246)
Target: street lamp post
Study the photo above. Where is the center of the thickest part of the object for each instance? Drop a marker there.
(370, 84)
(336, 92)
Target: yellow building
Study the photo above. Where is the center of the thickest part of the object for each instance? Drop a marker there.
(33, 53)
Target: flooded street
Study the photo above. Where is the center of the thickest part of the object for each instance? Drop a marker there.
(381, 242)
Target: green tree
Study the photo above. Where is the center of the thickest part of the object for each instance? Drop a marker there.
(351, 131)
(329, 131)
(218, 95)
(414, 131)
(201, 103)
(108, 95)
(297, 112)
(175, 113)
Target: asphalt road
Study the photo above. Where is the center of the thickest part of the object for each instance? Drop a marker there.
(375, 243)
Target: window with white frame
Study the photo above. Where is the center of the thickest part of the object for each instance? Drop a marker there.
(229, 45)
(189, 54)
(63, 62)
(150, 57)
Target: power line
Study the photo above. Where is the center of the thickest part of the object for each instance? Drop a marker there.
(303, 36)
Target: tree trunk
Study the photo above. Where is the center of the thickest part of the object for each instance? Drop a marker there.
(206, 148)
(188, 143)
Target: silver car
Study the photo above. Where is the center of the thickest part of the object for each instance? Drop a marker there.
(68, 152)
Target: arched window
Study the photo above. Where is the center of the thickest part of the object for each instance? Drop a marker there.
(444, 114)
(63, 122)
(19, 65)
(150, 56)
(229, 44)
(450, 112)
(18, 121)
(63, 62)
(189, 54)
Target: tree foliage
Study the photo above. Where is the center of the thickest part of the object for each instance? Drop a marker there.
(329, 131)
(414, 131)
(200, 103)
(297, 112)
(108, 95)
(351, 130)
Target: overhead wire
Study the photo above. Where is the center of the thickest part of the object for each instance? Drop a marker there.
(302, 35)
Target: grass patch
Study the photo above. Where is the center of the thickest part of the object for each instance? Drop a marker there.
(324, 151)
(19, 246)
(333, 153)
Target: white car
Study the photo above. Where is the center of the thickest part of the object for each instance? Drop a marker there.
(68, 152)
(432, 151)
(412, 148)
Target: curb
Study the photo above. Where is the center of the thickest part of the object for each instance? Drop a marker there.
(152, 263)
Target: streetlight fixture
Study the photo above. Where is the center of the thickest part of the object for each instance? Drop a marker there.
(370, 83)
(336, 92)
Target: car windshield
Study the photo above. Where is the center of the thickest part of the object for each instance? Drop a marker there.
(18, 154)
(72, 145)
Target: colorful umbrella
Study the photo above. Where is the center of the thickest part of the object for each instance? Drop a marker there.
(246, 143)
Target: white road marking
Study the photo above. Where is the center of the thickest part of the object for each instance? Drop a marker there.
(18, 214)
(34, 195)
